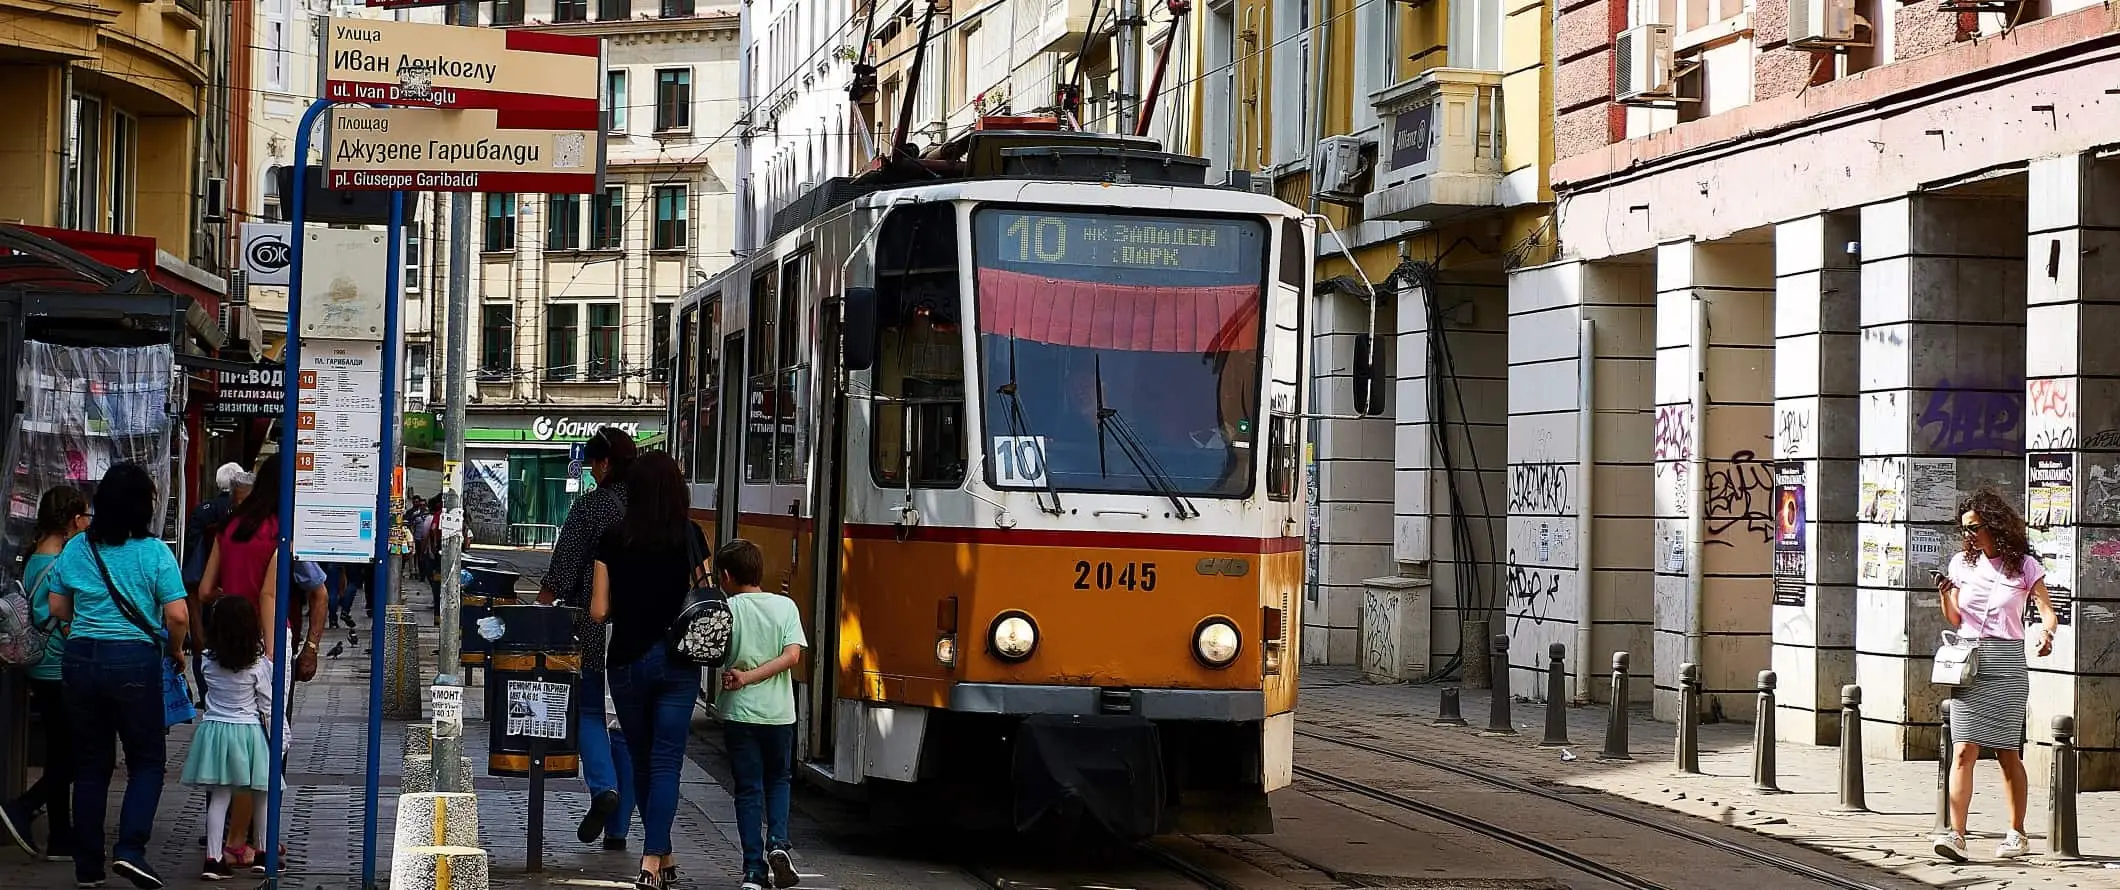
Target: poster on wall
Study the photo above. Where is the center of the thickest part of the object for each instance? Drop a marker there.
(1931, 489)
(1925, 550)
(1789, 533)
(1883, 491)
(2056, 550)
(2050, 489)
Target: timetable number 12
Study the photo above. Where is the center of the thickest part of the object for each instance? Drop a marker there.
(1105, 575)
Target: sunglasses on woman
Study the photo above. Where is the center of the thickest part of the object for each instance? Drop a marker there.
(1970, 530)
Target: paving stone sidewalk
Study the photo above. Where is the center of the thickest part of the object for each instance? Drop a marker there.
(326, 774)
(1895, 836)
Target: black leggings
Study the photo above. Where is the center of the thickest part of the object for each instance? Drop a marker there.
(54, 790)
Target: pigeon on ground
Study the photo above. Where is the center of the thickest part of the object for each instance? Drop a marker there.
(336, 650)
(1567, 755)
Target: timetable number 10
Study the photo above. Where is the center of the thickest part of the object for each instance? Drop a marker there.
(1105, 575)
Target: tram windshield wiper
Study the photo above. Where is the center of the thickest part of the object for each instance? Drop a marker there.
(1019, 426)
(1130, 444)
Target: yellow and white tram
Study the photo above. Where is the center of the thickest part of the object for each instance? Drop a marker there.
(1025, 450)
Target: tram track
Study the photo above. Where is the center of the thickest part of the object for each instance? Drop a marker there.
(1786, 864)
(1162, 860)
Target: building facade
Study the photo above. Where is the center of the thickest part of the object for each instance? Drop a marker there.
(108, 101)
(573, 293)
(1827, 266)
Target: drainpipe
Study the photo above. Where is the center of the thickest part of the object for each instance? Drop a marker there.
(1697, 481)
(1585, 514)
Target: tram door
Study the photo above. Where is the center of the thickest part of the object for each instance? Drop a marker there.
(826, 552)
(731, 422)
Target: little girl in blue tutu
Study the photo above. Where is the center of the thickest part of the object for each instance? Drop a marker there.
(229, 752)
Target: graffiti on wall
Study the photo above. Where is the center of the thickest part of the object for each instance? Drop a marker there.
(1962, 418)
(1740, 499)
(1542, 489)
(1530, 591)
(1792, 430)
(2050, 408)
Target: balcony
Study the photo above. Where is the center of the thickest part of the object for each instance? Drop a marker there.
(1442, 155)
(1051, 25)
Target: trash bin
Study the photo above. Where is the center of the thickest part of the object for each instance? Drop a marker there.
(535, 675)
(484, 588)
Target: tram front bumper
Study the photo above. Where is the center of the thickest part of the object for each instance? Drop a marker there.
(1022, 700)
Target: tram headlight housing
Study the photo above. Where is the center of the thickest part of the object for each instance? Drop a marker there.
(1216, 642)
(1013, 637)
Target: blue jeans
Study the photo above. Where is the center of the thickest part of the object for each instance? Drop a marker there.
(114, 696)
(761, 757)
(606, 764)
(655, 700)
(341, 581)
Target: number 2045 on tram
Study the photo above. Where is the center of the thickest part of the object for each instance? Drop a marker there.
(1024, 447)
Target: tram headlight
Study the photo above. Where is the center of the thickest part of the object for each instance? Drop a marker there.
(1014, 636)
(946, 650)
(1216, 642)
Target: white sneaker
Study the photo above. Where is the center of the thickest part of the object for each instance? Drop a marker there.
(1951, 846)
(2013, 846)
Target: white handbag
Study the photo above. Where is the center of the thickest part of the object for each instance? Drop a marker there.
(1957, 661)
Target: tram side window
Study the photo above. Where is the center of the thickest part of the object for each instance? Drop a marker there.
(759, 412)
(702, 340)
(791, 438)
(686, 393)
(920, 355)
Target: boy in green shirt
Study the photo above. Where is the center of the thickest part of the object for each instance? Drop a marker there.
(758, 711)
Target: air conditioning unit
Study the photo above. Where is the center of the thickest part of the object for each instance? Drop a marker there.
(1645, 64)
(1823, 24)
(1336, 169)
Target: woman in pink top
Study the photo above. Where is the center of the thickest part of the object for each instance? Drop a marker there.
(1984, 594)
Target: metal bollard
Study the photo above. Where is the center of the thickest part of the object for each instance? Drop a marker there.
(1616, 721)
(1763, 767)
(2061, 838)
(1448, 714)
(1556, 697)
(1498, 706)
(1944, 757)
(1688, 754)
(1852, 798)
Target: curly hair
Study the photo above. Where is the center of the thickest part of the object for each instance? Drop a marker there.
(2004, 525)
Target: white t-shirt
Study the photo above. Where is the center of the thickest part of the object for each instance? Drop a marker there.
(243, 696)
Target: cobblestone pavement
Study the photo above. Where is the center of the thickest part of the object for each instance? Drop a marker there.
(1894, 837)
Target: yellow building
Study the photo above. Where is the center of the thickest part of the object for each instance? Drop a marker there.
(1422, 131)
(103, 107)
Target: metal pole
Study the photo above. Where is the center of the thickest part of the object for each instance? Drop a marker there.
(386, 519)
(1616, 721)
(2061, 838)
(1763, 766)
(1449, 714)
(1129, 48)
(290, 362)
(1498, 703)
(1556, 697)
(448, 749)
(537, 800)
(1852, 797)
(1688, 753)
(1943, 769)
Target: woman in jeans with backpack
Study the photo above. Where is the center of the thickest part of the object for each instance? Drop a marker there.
(62, 513)
(123, 593)
(639, 583)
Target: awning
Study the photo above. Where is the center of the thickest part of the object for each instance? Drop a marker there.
(41, 258)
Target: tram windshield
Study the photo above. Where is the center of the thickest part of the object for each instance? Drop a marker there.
(1119, 353)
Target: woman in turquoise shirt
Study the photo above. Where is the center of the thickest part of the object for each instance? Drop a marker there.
(113, 667)
(61, 514)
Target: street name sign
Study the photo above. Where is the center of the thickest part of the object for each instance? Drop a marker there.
(538, 79)
(413, 149)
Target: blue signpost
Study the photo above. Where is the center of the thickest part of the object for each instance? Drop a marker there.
(380, 586)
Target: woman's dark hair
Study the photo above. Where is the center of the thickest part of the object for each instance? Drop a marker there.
(658, 503)
(233, 635)
(55, 511)
(2003, 525)
(262, 504)
(125, 506)
(613, 446)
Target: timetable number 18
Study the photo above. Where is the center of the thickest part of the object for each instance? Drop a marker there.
(1105, 575)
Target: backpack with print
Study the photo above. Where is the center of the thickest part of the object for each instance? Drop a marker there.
(22, 639)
